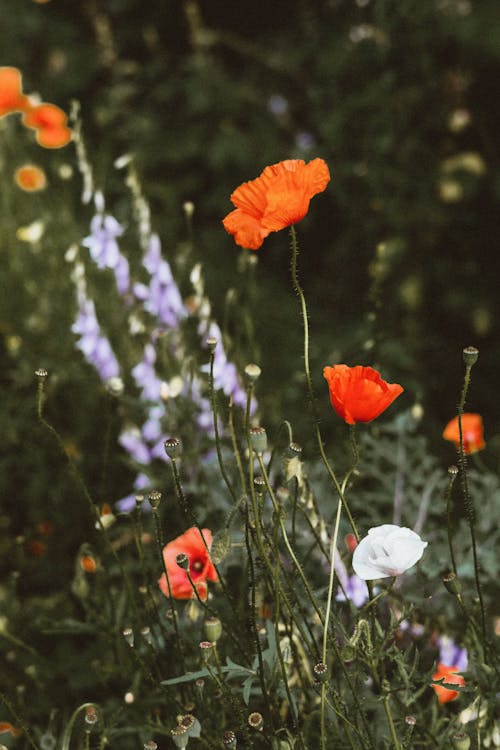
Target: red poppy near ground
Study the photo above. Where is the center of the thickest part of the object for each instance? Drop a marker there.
(12, 98)
(472, 433)
(358, 394)
(451, 675)
(30, 178)
(50, 123)
(201, 568)
(275, 200)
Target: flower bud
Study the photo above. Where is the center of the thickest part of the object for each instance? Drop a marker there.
(256, 721)
(188, 208)
(147, 635)
(41, 373)
(470, 355)
(150, 745)
(154, 499)
(258, 439)
(451, 583)
(173, 447)
(213, 629)
(139, 499)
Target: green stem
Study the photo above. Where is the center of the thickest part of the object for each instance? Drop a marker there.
(216, 428)
(19, 721)
(390, 721)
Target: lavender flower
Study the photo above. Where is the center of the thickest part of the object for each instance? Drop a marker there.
(95, 347)
(225, 374)
(104, 249)
(452, 655)
(145, 376)
(134, 443)
(356, 590)
(126, 504)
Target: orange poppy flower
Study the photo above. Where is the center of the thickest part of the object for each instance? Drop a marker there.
(50, 123)
(275, 200)
(12, 98)
(30, 178)
(201, 568)
(472, 433)
(88, 563)
(358, 394)
(451, 675)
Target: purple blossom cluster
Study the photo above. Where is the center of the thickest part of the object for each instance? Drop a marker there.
(226, 376)
(452, 655)
(352, 588)
(161, 298)
(95, 347)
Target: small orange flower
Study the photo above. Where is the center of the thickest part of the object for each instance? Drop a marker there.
(50, 123)
(12, 98)
(451, 675)
(30, 178)
(358, 394)
(6, 726)
(201, 568)
(275, 200)
(472, 433)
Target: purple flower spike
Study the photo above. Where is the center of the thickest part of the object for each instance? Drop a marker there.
(126, 504)
(104, 249)
(145, 375)
(95, 347)
(135, 445)
(162, 298)
(355, 589)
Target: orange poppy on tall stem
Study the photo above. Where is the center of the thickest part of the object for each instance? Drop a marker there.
(12, 98)
(275, 200)
(201, 568)
(472, 433)
(359, 394)
(451, 675)
(50, 123)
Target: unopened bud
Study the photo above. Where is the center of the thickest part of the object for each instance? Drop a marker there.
(470, 355)
(115, 386)
(258, 439)
(182, 561)
(188, 208)
(154, 499)
(90, 717)
(451, 583)
(256, 721)
(410, 720)
(139, 499)
(173, 447)
(252, 373)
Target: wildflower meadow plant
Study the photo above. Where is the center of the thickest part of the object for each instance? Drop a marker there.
(272, 596)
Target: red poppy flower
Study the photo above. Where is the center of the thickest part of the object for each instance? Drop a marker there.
(275, 200)
(30, 178)
(472, 433)
(50, 123)
(201, 568)
(12, 98)
(6, 726)
(358, 394)
(451, 675)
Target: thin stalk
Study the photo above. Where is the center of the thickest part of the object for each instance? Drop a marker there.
(216, 427)
(19, 721)
(305, 322)
(449, 490)
(468, 500)
(390, 721)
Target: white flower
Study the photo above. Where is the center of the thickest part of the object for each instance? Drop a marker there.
(387, 551)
